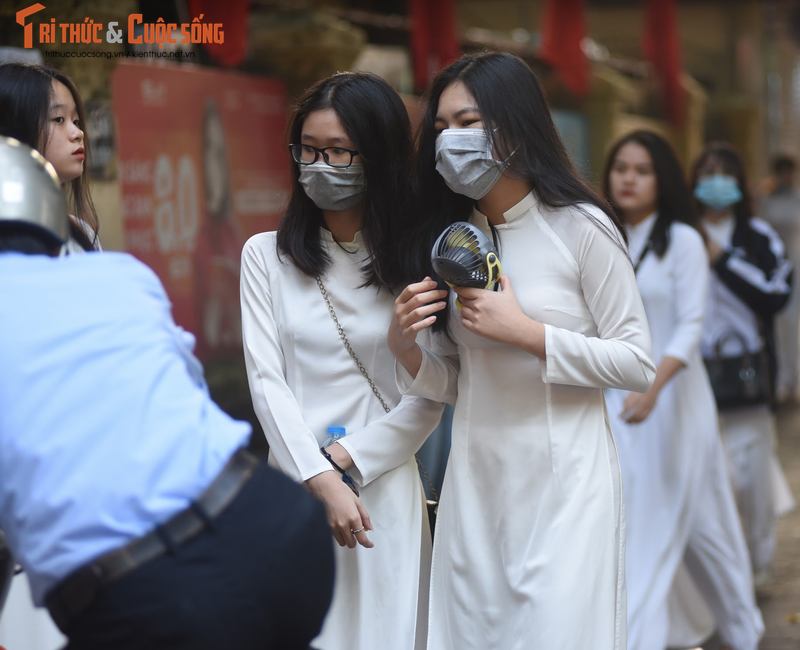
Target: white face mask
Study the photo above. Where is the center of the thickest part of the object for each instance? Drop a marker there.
(332, 188)
(465, 161)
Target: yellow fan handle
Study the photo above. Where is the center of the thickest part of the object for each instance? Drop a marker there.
(458, 302)
(494, 268)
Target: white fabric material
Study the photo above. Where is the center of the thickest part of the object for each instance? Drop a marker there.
(72, 247)
(24, 626)
(669, 461)
(529, 538)
(760, 486)
(713, 583)
(691, 622)
(302, 381)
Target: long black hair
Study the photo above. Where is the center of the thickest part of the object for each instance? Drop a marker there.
(376, 120)
(673, 198)
(26, 93)
(515, 112)
(732, 165)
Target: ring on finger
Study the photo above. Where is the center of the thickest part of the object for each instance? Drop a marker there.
(358, 531)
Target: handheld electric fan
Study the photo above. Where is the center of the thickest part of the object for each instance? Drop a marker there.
(464, 257)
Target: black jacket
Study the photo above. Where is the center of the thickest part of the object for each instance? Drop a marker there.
(761, 278)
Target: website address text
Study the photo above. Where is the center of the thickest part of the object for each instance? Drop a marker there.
(118, 55)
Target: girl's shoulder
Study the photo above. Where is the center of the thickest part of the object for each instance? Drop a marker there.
(261, 252)
(590, 220)
(583, 217)
(263, 244)
(586, 231)
(685, 243)
(684, 233)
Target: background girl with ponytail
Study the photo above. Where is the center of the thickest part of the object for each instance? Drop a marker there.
(529, 537)
(341, 238)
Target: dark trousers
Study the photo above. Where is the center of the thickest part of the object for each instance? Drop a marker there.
(261, 578)
(7, 565)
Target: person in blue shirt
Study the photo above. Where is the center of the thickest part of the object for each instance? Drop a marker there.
(125, 493)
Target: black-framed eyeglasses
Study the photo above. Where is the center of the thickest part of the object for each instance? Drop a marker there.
(305, 154)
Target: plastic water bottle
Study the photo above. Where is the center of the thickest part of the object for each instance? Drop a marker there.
(334, 435)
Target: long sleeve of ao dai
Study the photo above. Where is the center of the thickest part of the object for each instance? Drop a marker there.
(378, 442)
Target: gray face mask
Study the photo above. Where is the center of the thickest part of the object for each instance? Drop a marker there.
(332, 188)
(465, 161)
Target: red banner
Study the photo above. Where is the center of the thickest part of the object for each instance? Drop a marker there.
(434, 38)
(202, 167)
(661, 46)
(233, 15)
(563, 30)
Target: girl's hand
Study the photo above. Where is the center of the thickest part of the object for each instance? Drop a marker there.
(414, 310)
(498, 316)
(637, 406)
(345, 511)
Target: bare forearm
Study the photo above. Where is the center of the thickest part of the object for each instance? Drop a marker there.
(411, 360)
(340, 456)
(666, 370)
(638, 406)
(531, 337)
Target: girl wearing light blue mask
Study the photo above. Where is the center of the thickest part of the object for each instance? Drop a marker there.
(338, 251)
(750, 282)
(529, 537)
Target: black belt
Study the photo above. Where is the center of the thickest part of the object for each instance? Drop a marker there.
(76, 592)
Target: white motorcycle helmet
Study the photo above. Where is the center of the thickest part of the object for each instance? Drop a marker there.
(29, 190)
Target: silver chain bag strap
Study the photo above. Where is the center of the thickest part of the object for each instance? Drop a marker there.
(432, 504)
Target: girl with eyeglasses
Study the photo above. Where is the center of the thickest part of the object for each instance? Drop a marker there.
(678, 501)
(529, 538)
(339, 251)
